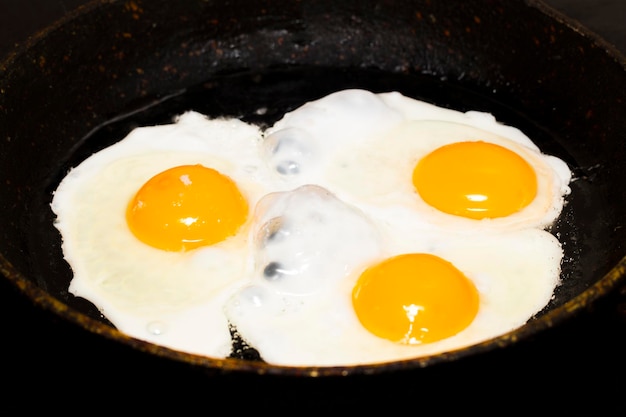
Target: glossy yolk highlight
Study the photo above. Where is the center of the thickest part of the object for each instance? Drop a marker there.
(414, 298)
(186, 207)
(475, 180)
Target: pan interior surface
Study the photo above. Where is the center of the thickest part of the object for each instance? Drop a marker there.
(576, 126)
(251, 96)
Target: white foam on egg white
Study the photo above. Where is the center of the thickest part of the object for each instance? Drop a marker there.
(305, 138)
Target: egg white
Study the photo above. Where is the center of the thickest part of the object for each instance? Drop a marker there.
(370, 160)
(336, 173)
(362, 147)
(320, 328)
(169, 298)
(390, 160)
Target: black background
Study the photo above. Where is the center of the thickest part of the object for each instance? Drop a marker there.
(578, 368)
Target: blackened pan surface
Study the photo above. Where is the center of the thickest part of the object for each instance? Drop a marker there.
(89, 80)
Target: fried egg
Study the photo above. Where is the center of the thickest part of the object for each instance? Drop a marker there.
(117, 214)
(359, 228)
(453, 168)
(444, 278)
(302, 313)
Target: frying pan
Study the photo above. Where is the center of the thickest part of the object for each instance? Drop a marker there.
(111, 66)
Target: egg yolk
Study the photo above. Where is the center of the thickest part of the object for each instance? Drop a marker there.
(186, 207)
(475, 180)
(414, 298)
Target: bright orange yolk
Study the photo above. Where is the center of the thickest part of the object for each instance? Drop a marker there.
(186, 207)
(475, 180)
(414, 298)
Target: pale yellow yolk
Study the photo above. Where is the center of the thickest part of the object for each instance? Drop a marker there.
(186, 207)
(475, 180)
(414, 298)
